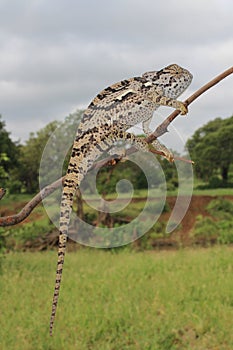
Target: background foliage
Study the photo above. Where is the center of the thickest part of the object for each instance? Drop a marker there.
(211, 148)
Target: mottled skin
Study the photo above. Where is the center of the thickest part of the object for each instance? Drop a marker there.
(105, 121)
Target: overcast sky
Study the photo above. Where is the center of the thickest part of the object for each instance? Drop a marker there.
(55, 56)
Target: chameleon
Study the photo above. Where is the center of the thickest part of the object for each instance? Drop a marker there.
(104, 123)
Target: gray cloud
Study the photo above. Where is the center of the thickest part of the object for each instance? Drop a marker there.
(56, 55)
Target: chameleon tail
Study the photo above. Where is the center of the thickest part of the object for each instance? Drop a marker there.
(60, 262)
(66, 207)
(73, 179)
(78, 167)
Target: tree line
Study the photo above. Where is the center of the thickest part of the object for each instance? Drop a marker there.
(210, 147)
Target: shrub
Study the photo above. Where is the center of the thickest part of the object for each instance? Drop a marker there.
(225, 235)
(14, 186)
(205, 227)
(215, 182)
(220, 208)
(222, 228)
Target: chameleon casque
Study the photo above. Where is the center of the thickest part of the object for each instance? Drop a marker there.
(105, 121)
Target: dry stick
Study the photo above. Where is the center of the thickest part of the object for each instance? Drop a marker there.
(161, 129)
(27, 209)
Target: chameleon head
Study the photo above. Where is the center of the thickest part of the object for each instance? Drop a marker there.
(173, 79)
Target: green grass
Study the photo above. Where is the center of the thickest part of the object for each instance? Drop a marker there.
(214, 192)
(16, 198)
(165, 300)
(142, 193)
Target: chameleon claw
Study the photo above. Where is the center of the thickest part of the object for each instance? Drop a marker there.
(169, 156)
(183, 108)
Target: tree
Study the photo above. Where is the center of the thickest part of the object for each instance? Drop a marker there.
(31, 153)
(211, 148)
(8, 154)
(58, 149)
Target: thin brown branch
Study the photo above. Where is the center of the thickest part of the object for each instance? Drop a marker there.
(161, 129)
(27, 209)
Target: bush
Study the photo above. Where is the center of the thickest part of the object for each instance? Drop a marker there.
(220, 208)
(215, 182)
(205, 227)
(16, 237)
(222, 228)
(148, 240)
(14, 186)
(225, 232)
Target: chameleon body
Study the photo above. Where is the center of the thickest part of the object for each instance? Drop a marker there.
(105, 121)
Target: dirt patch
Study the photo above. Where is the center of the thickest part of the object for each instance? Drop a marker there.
(197, 207)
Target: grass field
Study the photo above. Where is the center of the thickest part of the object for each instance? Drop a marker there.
(126, 300)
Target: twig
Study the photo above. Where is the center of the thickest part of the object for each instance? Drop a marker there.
(161, 129)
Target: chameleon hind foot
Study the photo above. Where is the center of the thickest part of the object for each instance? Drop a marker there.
(161, 148)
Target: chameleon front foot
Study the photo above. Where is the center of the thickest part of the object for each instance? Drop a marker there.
(182, 108)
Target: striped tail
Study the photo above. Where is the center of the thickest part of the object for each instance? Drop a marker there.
(60, 262)
(74, 176)
(66, 208)
(84, 153)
